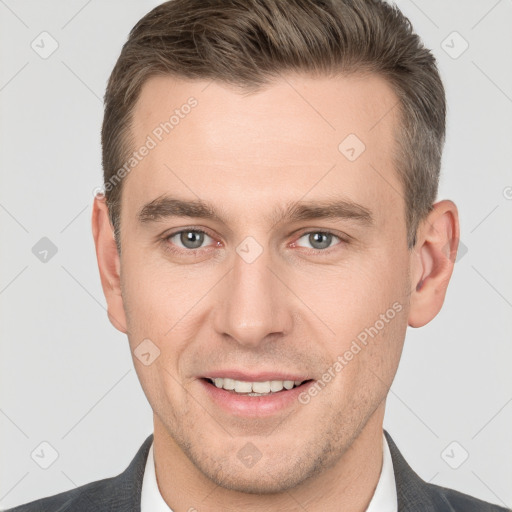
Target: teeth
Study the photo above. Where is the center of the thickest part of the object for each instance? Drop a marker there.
(255, 388)
(261, 387)
(276, 385)
(228, 384)
(243, 387)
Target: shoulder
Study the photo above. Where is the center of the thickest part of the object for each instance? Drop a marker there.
(115, 494)
(413, 493)
(452, 500)
(85, 498)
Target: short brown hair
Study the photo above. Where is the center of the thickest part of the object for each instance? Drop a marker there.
(246, 43)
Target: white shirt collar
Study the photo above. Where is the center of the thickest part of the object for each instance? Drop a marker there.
(151, 500)
(384, 498)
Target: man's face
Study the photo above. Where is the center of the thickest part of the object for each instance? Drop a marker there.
(263, 298)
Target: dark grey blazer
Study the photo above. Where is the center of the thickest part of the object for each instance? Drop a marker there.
(122, 493)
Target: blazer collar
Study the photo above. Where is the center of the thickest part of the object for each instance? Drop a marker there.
(128, 485)
(413, 493)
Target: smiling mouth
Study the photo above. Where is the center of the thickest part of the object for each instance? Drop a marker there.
(265, 388)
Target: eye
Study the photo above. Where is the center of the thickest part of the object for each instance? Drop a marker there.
(188, 238)
(319, 240)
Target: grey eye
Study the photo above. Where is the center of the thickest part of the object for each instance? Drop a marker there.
(319, 240)
(189, 239)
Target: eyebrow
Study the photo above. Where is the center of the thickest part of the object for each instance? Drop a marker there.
(165, 207)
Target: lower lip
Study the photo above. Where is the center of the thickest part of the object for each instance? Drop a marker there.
(254, 406)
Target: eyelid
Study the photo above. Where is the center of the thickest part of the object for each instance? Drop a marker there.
(168, 234)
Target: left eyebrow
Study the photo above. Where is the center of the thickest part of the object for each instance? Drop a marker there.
(326, 209)
(165, 207)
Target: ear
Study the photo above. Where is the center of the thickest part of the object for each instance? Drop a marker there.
(432, 262)
(108, 262)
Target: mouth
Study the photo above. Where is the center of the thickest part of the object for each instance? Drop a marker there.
(251, 395)
(255, 388)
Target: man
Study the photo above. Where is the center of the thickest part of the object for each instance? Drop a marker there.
(268, 231)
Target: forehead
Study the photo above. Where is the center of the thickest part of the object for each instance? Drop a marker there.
(298, 136)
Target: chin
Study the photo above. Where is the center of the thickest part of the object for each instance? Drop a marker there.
(259, 482)
(273, 475)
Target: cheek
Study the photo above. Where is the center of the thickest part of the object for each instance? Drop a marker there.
(154, 306)
(366, 359)
(364, 305)
(352, 295)
(163, 305)
(154, 295)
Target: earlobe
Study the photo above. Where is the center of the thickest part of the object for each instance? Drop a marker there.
(432, 262)
(108, 263)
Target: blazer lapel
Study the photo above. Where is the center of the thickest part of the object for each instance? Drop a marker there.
(127, 486)
(413, 493)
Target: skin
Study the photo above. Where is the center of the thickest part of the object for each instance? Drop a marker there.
(295, 308)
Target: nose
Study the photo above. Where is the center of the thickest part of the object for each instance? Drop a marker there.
(253, 303)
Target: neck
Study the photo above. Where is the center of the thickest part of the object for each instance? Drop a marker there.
(348, 485)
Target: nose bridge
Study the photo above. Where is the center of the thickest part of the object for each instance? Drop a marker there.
(252, 304)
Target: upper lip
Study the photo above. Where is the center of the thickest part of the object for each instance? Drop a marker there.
(254, 376)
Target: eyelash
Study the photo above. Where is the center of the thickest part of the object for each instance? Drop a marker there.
(316, 252)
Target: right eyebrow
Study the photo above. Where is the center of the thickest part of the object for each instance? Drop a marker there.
(164, 207)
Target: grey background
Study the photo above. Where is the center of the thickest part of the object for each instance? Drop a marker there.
(66, 374)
